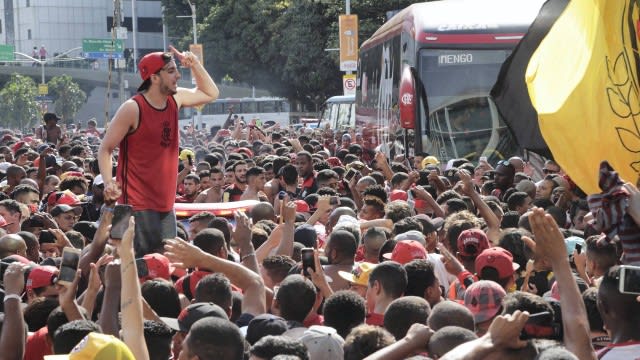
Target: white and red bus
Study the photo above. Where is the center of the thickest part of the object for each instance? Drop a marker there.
(429, 70)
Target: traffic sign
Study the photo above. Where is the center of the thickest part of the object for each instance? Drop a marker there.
(103, 48)
(44, 98)
(349, 84)
(6, 53)
(43, 89)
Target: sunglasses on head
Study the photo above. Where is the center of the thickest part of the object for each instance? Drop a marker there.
(505, 163)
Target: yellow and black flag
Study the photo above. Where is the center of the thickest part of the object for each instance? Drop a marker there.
(583, 83)
(510, 91)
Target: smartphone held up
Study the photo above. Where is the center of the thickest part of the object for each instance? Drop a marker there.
(120, 222)
(69, 265)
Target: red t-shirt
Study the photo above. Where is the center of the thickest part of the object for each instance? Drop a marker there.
(375, 319)
(148, 158)
(38, 345)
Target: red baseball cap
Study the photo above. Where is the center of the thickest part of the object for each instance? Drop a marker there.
(398, 195)
(484, 299)
(302, 206)
(151, 64)
(186, 285)
(42, 276)
(63, 198)
(499, 259)
(472, 242)
(18, 146)
(159, 267)
(406, 251)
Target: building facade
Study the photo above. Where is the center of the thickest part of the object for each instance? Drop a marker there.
(60, 25)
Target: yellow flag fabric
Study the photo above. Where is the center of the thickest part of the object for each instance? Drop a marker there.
(583, 83)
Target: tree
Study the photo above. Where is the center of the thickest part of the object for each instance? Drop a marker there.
(18, 106)
(277, 45)
(67, 96)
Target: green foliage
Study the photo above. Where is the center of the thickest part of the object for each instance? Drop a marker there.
(278, 45)
(67, 96)
(18, 107)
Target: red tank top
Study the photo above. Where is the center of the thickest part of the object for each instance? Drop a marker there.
(148, 158)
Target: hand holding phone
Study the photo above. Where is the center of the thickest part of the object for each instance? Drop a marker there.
(308, 261)
(69, 265)
(120, 222)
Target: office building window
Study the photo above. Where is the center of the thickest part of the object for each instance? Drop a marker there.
(28, 34)
(28, 3)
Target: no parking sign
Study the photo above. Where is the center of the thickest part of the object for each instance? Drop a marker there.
(349, 84)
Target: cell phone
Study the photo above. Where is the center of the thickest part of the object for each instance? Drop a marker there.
(334, 200)
(541, 326)
(307, 260)
(120, 223)
(483, 159)
(69, 265)
(190, 159)
(578, 248)
(143, 269)
(282, 194)
(350, 174)
(629, 280)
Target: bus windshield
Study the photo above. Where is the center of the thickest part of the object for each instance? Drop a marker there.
(462, 119)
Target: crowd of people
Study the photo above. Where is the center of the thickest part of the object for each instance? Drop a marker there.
(345, 252)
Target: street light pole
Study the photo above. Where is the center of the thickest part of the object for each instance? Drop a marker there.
(193, 16)
(43, 62)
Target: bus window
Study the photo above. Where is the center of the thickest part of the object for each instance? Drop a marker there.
(457, 83)
(249, 107)
(344, 113)
(267, 107)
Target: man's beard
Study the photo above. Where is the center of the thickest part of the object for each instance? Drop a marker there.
(241, 181)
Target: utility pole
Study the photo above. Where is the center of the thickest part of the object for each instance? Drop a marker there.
(117, 23)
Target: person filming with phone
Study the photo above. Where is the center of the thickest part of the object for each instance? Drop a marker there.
(145, 129)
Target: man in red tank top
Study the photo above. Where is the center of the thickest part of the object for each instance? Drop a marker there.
(145, 129)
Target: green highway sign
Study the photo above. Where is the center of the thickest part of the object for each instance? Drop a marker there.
(6, 53)
(102, 48)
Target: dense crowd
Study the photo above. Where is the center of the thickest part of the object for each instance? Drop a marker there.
(337, 250)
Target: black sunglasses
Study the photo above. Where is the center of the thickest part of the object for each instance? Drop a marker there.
(505, 163)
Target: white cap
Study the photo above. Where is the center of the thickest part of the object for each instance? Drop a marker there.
(323, 343)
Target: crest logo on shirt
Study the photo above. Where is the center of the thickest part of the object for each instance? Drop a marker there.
(166, 134)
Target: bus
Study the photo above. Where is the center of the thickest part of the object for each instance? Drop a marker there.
(424, 78)
(339, 112)
(267, 110)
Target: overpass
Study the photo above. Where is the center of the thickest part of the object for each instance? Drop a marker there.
(94, 83)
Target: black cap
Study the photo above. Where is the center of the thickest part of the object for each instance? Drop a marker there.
(192, 313)
(263, 325)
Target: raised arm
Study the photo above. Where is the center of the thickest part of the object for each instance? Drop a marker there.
(206, 89)
(550, 245)
(286, 244)
(381, 161)
(131, 297)
(242, 236)
(12, 339)
(493, 223)
(186, 255)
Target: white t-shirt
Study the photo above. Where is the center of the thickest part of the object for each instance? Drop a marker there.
(625, 351)
(440, 271)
